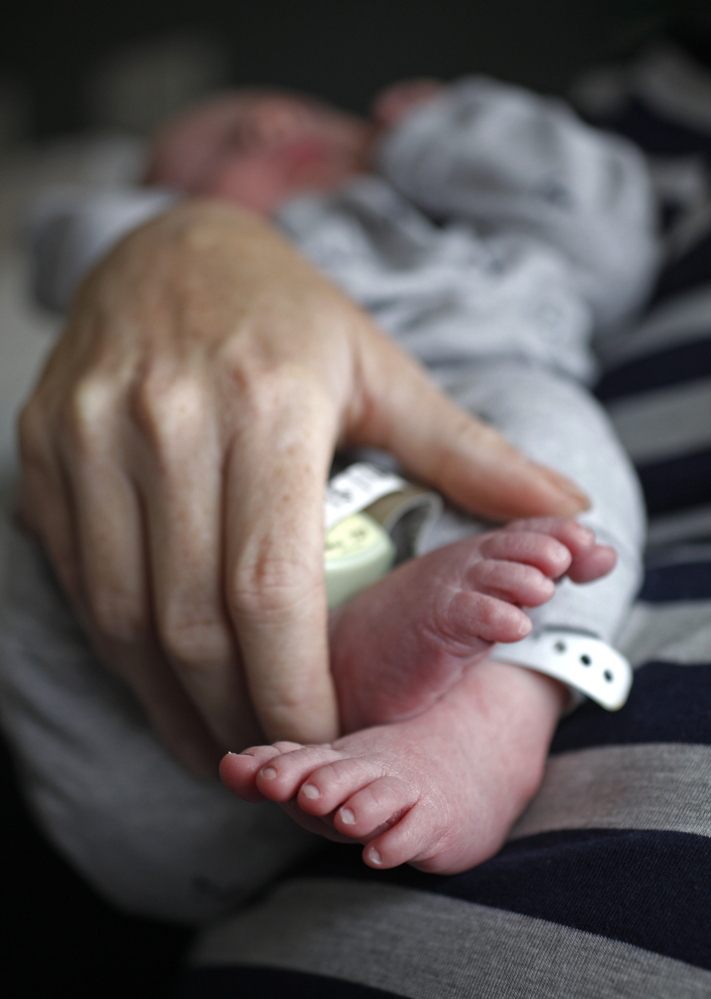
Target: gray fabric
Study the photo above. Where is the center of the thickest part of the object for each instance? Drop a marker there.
(504, 321)
(154, 838)
(678, 632)
(672, 420)
(558, 181)
(421, 945)
(660, 786)
(71, 228)
(446, 293)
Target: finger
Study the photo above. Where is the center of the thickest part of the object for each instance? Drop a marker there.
(443, 445)
(113, 599)
(180, 465)
(167, 707)
(45, 502)
(274, 574)
(53, 508)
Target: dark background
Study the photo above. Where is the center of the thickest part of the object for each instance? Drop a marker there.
(342, 49)
(58, 936)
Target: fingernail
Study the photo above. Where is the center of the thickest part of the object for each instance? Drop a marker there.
(269, 773)
(348, 817)
(565, 485)
(374, 856)
(311, 791)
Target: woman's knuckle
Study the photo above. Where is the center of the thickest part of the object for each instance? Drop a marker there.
(268, 389)
(118, 617)
(270, 584)
(167, 409)
(194, 643)
(84, 414)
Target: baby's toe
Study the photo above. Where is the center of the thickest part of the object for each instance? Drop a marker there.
(545, 553)
(238, 771)
(468, 615)
(512, 582)
(406, 840)
(282, 775)
(376, 806)
(330, 785)
(576, 537)
(595, 563)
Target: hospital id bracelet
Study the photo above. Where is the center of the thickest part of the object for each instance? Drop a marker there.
(358, 553)
(584, 663)
(374, 519)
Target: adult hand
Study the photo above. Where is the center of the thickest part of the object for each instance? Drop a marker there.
(174, 458)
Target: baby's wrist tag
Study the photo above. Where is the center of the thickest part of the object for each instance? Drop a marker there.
(373, 519)
(584, 663)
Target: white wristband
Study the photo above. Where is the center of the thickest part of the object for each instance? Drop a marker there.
(583, 662)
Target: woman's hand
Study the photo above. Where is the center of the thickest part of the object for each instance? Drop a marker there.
(174, 458)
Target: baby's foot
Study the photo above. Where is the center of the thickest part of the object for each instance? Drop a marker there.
(439, 791)
(399, 645)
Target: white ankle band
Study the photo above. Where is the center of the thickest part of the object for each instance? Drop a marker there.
(585, 663)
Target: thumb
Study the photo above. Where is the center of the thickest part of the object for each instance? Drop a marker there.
(459, 455)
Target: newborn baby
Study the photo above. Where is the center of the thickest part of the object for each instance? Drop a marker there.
(443, 748)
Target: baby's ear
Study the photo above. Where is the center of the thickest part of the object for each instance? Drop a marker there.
(394, 102)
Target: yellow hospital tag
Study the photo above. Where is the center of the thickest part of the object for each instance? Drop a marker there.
(358, 553)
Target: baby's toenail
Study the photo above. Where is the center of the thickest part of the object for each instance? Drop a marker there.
(374, 856)
(311, 791)
(268, 772)
(347, 816)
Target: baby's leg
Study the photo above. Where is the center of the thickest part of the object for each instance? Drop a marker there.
(398, 646)
(441, 784)
(440, 790)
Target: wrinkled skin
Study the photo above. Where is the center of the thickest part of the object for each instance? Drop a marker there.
(174, 456)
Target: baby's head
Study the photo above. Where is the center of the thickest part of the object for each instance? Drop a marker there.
(258, 148)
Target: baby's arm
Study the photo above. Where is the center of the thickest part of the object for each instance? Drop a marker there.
(508, 160)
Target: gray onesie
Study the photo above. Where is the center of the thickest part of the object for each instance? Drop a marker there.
(498, 235)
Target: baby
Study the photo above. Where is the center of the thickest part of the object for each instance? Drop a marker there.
(443, 746)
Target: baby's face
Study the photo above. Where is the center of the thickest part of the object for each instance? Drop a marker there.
(260, 148)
